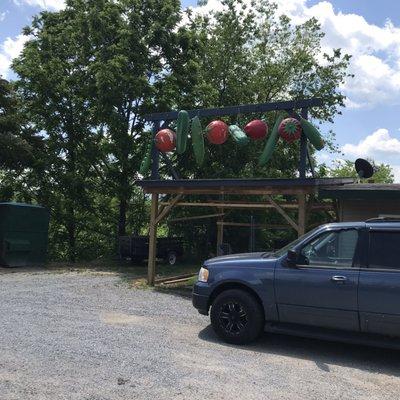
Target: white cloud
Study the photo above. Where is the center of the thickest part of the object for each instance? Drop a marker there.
(3, 15)
(10, 49)
(44, 4)
(375, 50)
(379, 146)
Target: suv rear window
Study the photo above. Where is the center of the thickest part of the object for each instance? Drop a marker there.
(384, 249)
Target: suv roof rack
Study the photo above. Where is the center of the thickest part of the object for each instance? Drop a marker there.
(385, 218)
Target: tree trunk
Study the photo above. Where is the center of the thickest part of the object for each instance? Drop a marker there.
(123, 204)
(71, 229)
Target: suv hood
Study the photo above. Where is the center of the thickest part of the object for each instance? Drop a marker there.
(241, 259)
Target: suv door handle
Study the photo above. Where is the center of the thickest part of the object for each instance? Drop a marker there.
(339, 279)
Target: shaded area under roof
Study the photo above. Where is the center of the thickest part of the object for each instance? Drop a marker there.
(242, 186)
(362, 191)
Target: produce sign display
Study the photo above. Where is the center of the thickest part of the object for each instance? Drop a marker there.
(217, 133)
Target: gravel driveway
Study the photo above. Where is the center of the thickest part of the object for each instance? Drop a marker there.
(84, 336)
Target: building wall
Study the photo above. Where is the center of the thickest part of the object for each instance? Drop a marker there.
(360, 210)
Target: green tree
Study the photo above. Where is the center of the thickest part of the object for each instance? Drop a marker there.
(55, 89)
(138, 55)
(86, 77)
(15, 136)
(383, 173)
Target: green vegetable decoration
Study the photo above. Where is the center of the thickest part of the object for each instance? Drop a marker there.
(290, 130)
(182, 130)
(197, 140)
(238, 135)
(271, 142)
(312, 134)
(146, 162)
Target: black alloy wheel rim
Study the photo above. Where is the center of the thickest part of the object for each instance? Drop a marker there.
(233, 317)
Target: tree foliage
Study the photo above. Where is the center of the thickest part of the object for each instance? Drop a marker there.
(383, 173)
(15, 137)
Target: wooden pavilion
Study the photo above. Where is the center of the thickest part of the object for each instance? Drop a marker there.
(304, 190)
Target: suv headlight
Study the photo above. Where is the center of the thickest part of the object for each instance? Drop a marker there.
(203, 275)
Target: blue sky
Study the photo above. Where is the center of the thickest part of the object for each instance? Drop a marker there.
(367, 29)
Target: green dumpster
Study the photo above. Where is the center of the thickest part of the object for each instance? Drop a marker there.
(23, 234)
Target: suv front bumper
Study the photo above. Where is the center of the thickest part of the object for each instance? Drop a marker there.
(200, 297)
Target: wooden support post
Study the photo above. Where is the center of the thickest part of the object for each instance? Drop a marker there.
(302, 215)
(283, 213)
(220, 231)
(164, 212)
(151, 265)
(220, 236)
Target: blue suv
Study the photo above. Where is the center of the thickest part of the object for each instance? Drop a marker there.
(340, 281)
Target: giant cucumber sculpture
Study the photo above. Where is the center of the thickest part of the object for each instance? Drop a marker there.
(146, 162)
(197, 140)
(312, 133)
(182, 130)
(271, 142)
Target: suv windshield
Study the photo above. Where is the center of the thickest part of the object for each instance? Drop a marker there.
(291, 245)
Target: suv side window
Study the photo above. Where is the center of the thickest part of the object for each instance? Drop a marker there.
(384, 247)
(331, 249)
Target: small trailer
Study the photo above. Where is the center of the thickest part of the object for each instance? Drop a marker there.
(136, 248)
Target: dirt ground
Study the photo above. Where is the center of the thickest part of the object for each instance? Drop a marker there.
(84, 335)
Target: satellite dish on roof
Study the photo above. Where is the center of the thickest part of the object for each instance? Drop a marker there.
(364, 168)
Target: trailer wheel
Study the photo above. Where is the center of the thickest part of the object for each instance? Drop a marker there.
(171, 258)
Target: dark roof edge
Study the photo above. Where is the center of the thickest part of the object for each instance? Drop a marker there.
(259, 182)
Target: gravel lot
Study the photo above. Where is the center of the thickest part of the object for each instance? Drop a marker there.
(84, 336)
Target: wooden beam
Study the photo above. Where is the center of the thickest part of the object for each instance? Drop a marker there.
(151, 264)
(239, 109)
(196, 217)
(172, 278)
(243, 205)
(246, 224)
(229, 205)
(302, 215)
(167, 208)
(283, 213)
(234, 190)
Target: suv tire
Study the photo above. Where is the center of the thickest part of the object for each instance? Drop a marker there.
(237, 317)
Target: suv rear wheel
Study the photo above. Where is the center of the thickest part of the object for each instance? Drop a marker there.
(237, 316)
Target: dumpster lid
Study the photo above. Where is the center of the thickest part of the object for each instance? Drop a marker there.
(14, 204)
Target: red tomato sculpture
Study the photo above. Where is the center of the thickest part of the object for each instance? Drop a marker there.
(256, 129)
(165, 140)
(217, 132)
(290, 129)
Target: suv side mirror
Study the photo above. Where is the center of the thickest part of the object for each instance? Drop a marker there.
(291, 259)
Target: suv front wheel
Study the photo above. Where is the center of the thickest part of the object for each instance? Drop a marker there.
(237, 316)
